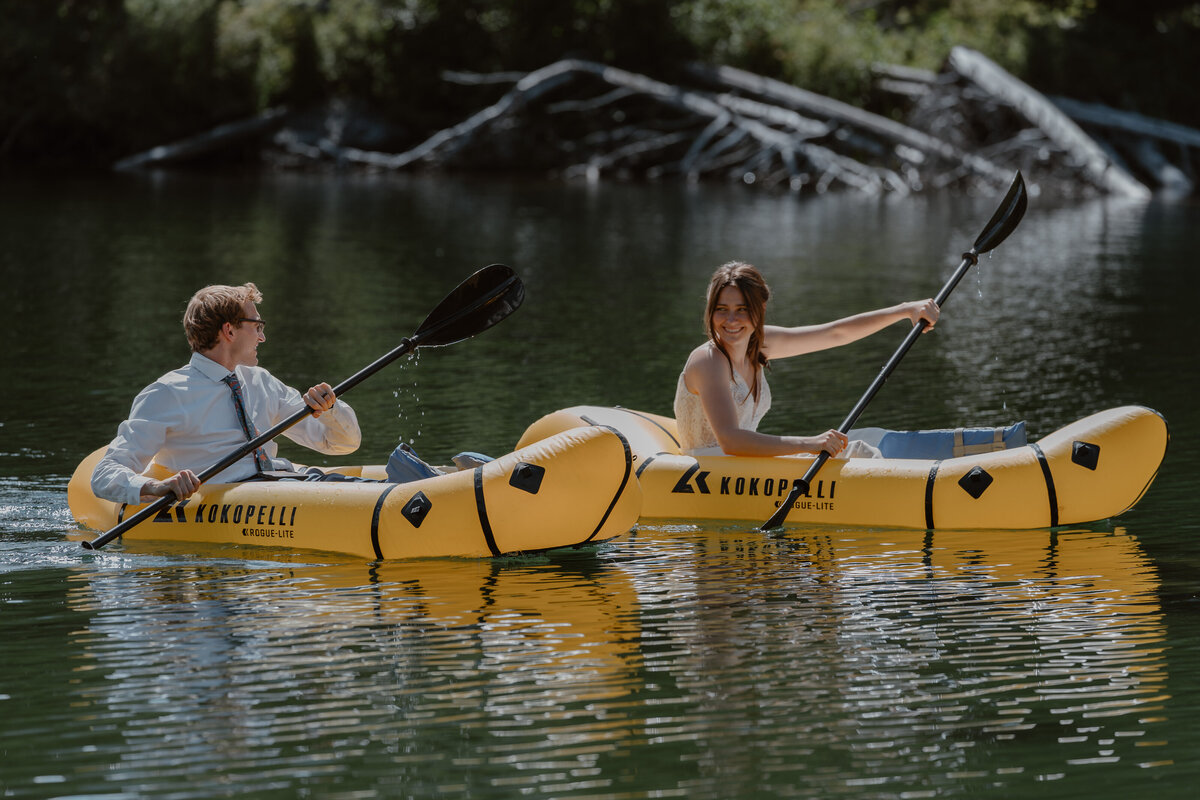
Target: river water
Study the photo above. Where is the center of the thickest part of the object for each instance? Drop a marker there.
(682, 660)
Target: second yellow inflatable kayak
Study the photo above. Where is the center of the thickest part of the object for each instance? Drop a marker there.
(1092, 469)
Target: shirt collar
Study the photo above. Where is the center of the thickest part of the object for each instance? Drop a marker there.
(208, 367)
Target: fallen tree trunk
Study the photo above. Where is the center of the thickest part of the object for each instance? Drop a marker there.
(970, 127)
(1097, 165)
(1142, 136)
(783, 139)
(1161, 170)
(829, 108)
(210, 141)
(1102, 116)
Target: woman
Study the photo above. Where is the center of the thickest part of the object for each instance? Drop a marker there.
(722, 392)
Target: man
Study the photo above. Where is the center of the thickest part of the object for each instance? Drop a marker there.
(191, 417)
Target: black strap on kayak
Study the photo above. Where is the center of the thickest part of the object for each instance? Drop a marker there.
(933, 471)
(621, 488)
(481, 508)
(1051, 494)
(375, 520)
(652, 422)
(647, 463)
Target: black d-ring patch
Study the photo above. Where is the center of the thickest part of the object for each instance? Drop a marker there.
(417, 508)
(976, 482)
(527, 477)
(1085, 454)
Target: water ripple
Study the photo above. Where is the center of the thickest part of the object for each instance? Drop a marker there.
(688, 661)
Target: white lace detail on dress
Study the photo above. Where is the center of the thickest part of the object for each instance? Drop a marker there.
(694, 431)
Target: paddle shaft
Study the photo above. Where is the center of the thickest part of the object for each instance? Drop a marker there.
(801, 486)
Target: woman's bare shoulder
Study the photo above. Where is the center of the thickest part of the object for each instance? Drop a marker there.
(706, 366)
(703, 357)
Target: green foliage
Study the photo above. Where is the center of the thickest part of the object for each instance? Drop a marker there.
(392, 52)
(828, 45)
(99, 78)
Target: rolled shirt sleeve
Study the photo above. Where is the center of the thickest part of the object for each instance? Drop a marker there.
(118, 476)
(186, 420)
(335, 432)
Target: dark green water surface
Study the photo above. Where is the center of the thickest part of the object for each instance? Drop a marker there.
(683, 660)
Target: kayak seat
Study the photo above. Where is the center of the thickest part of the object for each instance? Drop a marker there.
(938, 445)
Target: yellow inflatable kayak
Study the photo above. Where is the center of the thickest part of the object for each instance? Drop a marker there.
(1092, 469)
(564, 490)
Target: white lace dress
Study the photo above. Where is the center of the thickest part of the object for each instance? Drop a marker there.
(696, 437)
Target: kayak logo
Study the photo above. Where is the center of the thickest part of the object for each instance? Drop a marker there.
(230, 513)
(683, 487)
(740, 485)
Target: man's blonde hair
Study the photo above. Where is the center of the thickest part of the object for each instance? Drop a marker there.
(212, 307)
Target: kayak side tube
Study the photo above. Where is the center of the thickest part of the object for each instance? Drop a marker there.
(574, 488)
(1092, 469)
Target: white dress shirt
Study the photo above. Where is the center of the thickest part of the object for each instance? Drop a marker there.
(186, 420)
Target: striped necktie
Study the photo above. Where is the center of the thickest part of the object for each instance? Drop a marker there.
(261, 461)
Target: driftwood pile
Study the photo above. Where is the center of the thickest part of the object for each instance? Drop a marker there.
(968, 127)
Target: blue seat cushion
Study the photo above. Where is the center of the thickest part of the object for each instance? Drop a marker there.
(942, 443)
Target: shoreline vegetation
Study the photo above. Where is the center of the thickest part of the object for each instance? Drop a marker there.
(792, 95)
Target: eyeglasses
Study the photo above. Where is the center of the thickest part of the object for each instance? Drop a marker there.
(259, 323)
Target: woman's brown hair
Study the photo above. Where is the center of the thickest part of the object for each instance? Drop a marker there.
(756, 293)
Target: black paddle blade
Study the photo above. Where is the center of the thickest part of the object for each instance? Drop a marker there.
(1005, 220)
(478, 303)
